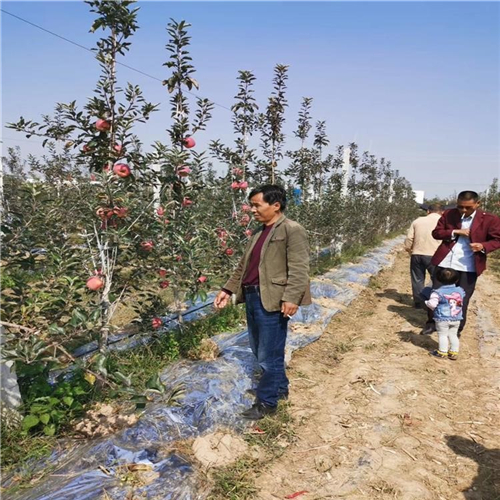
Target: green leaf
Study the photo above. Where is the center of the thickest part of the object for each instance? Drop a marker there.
(127, 381)
(154, 383)
(140, 401)
(78, 318)
(49, 430)
(45, 418)
(67, 400)
(30, 421)
(99, 362)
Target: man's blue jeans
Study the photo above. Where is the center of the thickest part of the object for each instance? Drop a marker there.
(267, 335)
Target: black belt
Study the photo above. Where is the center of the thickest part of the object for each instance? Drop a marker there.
(251, 288)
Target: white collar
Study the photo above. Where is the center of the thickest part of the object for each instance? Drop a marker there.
(471, 216)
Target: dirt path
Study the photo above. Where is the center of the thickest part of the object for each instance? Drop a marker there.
(378, 418)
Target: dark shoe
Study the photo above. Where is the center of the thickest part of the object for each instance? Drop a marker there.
(283, 396)
(429, 329)
(439, 354)
(452, 355)
(258, 410)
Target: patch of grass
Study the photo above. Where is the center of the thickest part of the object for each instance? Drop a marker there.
(18, 451)
(235, 481)
(18, 448)
(375, 283)
(343, 347)
(276, 428)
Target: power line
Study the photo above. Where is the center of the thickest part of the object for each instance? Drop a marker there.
(92, 52)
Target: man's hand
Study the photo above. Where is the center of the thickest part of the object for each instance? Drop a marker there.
(289, 309)
(461, 232)
(477, 247)
(222, 300)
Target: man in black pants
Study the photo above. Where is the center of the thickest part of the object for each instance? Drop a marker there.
(422, 246)
(468, 235)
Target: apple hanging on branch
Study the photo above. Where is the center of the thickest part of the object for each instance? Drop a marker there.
(121, 170)
(95, 283)
(102, 125)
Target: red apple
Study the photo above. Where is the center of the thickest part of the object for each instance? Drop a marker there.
(160, 211)
(178, 258)
(202, 279)
(248, 232)
(102, 125)
(246, 208)
(162, 272)
(237, 171)
(147, 246)
(95, 283)
(86, 148)
(121, 170)
(229, 252)
(189, 142)
(235, 185)
(118, 148)
(157, 322)
(183, 171)
(245, 219)
(243, 185)
(165, 284)
(186, 202)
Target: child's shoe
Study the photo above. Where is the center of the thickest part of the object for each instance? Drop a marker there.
(439, 354)
(452, 355)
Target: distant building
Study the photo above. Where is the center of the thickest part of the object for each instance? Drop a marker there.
(419, 196)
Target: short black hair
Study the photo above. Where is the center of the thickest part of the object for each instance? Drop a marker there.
(435, 207)
(468, 195)
(447, 276)
(271, 193)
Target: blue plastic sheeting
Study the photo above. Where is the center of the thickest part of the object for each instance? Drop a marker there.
(215, 393)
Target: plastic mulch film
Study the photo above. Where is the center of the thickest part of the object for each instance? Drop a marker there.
(215, 392)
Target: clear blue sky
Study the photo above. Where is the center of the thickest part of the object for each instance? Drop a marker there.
(414, 82)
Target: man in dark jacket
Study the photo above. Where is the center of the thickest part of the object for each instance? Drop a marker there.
(272, 278)
(468, 235)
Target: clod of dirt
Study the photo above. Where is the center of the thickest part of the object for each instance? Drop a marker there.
(219, 449)
(323, 463)
(103, 420)
(207, 350)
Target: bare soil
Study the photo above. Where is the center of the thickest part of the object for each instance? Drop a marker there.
(378, 418)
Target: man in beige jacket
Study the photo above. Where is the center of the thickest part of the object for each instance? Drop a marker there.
(272, 278)
(421, 245)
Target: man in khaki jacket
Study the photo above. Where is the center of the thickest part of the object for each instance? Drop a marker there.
(421, 245)
(272, 278)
